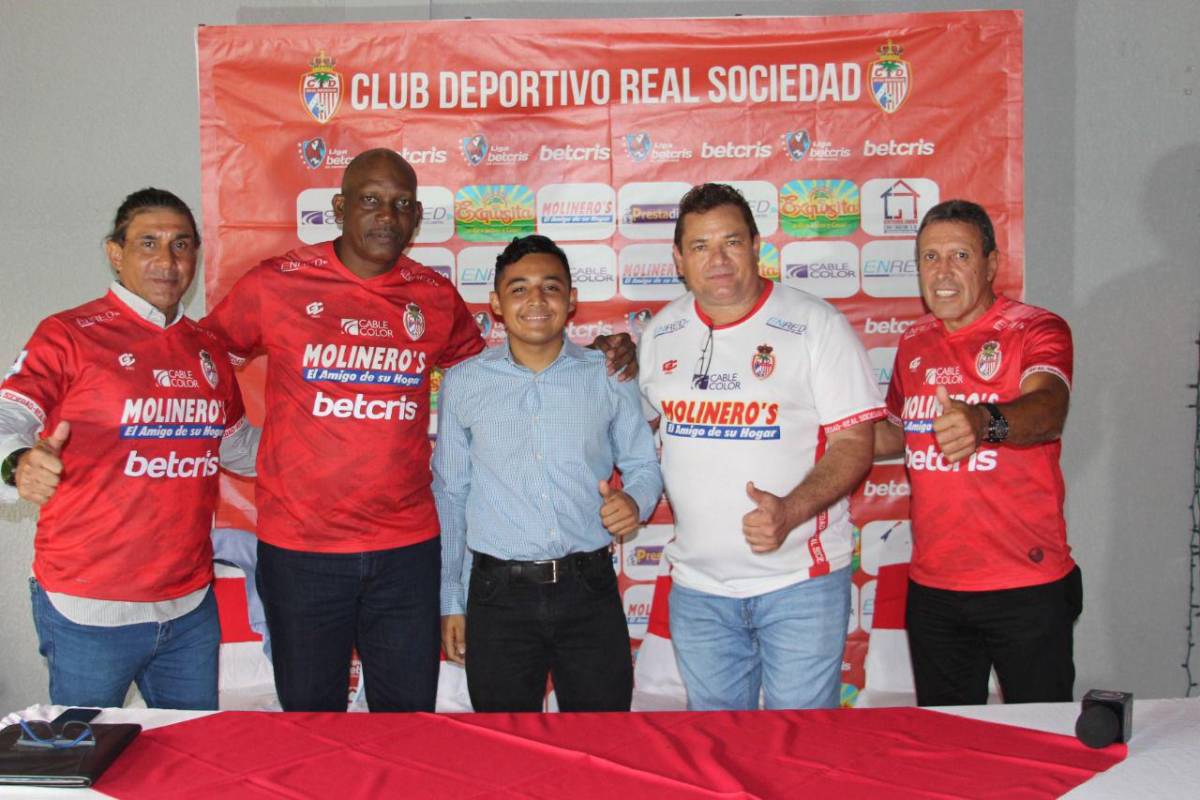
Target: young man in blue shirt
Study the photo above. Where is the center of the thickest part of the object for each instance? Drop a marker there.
(528, 434)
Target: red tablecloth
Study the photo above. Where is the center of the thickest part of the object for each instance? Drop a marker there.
(891, 752)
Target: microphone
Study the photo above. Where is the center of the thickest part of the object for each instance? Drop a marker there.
(1107, 717)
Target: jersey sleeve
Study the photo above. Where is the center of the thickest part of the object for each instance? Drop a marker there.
(237, 319)
(1047, 347)
(39, 378)
(843, 386)
(895, 392)
(463, 340)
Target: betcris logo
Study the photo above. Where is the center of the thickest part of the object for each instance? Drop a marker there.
(577, 211)
(648, 272)
(649, 210)
(437, 215)
(894, 148)
(360, 407)
(826, 269)
(886, 327)
(763, 199)
(171, 465)
(477, 272)
(315, 221)
(738, 150)
(889, 269)
(593, 271)
(595, 152)
(494, 212)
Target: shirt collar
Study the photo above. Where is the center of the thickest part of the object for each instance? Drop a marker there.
(143, 308)
(569, 351)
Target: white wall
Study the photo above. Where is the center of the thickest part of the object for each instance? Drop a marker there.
(99, 99)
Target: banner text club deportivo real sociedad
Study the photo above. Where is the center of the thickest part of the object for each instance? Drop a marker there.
(840, 131)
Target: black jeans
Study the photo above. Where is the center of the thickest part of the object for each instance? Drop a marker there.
(1027, 633)
(518, 630)
(319, 606)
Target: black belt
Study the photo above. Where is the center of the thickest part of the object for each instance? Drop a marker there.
(548, 571)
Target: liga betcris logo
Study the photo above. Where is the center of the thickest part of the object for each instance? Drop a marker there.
(321, 88)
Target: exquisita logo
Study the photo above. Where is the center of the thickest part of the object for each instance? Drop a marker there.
(810, 209)
(494, 212)
(321, 88)
(890, 78)
(768, 262)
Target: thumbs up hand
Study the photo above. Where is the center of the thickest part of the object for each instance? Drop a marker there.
(40, 470)
(959, 428)
(618, 511)
(767, 526)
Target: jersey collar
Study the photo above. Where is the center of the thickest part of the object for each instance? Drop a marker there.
(143, 308)
(764, 295)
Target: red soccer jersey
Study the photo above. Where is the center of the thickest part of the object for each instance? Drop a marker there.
(993, 521)
(343, 465)
(148, 407)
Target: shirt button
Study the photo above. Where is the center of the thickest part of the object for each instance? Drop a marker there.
(553, 531)
(538, 456)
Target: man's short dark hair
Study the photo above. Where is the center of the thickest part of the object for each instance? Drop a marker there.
(522, 246)
(963, 211)
(707, 196)
(148, 199)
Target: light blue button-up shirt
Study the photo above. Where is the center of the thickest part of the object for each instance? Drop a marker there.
(519, 455)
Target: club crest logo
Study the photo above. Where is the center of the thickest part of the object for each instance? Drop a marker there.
(208, 369)
(638, 145)
(414, 321)
(987, 363)
(321, 89)
(484, 321)
(475, 149)
(312, 152)
(763, 362)
(797, 144)
(890, 78)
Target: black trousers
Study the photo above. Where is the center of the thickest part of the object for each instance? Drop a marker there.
(1027, 634)
(519, 629)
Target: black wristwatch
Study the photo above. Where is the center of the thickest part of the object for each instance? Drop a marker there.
(8, 467)
(997, 430)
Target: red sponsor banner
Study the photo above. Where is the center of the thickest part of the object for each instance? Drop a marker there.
(840, 131)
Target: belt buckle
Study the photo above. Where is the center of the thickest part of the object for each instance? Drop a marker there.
(553, 562)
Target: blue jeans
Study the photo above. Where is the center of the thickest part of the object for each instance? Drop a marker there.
(788, 643)
(173, 663)
(321, 606)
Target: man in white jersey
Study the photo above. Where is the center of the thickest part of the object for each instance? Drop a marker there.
(766, 402)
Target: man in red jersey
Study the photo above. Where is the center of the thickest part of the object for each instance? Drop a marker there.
(348, 551)
(141, 403)
(977, 402)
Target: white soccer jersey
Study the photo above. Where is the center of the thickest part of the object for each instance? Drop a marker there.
(754, 403)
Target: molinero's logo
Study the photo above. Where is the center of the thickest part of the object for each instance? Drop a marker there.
(819, 208)
(494, 213)
(891, 78)
(321, 88)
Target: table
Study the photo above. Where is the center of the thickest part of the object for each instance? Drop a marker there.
(1163, 757)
